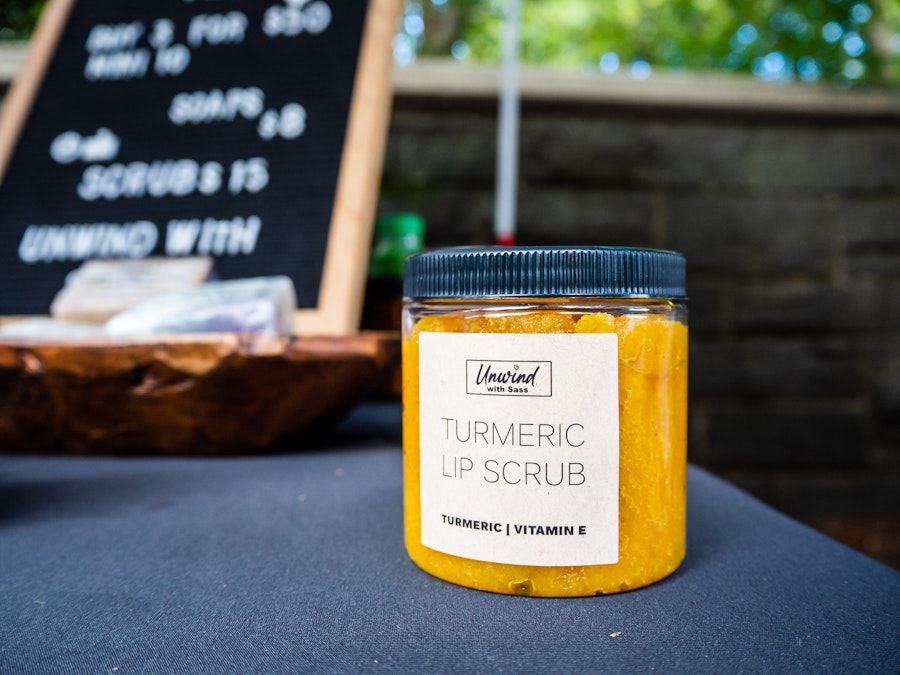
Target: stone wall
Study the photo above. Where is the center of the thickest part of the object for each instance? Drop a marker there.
(788, 214)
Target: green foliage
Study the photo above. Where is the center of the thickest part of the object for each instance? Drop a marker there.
(18, 18)
(841, 41)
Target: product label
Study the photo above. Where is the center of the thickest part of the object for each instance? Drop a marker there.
(519, 438)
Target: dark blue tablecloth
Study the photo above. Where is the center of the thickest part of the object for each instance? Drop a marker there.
(295, 562)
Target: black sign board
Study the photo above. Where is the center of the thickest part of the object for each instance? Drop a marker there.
(249, 131)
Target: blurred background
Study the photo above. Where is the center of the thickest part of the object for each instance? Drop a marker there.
(844, 42)
(761, 138)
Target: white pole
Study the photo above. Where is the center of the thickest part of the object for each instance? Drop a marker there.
(508, 131)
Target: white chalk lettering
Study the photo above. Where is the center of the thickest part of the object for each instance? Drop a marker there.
(213, 236)
(217, 29)
(162, 34)
(60, 243)
(181, 235)
(250, 175)
(203, 107)
(313, 18)
(172, 60)
(121, 65)
(114, 37)
(162, 178)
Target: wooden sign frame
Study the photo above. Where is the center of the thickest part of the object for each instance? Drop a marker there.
(342, 286)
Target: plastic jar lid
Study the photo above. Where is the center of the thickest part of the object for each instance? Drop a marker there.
(544, 272)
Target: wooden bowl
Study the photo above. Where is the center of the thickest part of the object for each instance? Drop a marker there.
(212, 394)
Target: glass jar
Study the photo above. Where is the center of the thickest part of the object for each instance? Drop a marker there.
(545, 417)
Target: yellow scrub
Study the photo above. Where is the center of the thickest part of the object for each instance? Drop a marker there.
(652, 383)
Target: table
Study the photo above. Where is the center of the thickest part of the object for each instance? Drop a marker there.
(294, 562)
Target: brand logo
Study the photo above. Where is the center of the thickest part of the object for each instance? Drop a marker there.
(509, 378)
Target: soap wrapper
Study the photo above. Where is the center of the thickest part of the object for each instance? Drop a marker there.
(255, 305)
(100, 289)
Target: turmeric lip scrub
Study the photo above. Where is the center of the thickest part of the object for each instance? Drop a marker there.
(545, 417)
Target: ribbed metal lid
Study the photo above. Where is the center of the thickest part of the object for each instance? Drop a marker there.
(545, 272)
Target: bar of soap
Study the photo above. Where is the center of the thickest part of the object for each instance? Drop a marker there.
(45, 329)
(99, 289)
(256, 305)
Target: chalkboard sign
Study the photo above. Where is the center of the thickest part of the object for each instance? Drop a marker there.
(250, 131)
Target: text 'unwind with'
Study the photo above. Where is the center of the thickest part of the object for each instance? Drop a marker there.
(193, 236)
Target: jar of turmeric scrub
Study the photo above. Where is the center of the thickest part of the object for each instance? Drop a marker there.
(545, 417)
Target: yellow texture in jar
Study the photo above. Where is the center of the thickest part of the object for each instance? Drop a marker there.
(652, 454)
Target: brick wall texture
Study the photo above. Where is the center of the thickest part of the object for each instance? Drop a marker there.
(791, 228)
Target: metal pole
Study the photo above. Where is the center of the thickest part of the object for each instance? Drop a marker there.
(508, 131)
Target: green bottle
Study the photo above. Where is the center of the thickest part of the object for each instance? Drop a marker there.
(397, 236)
